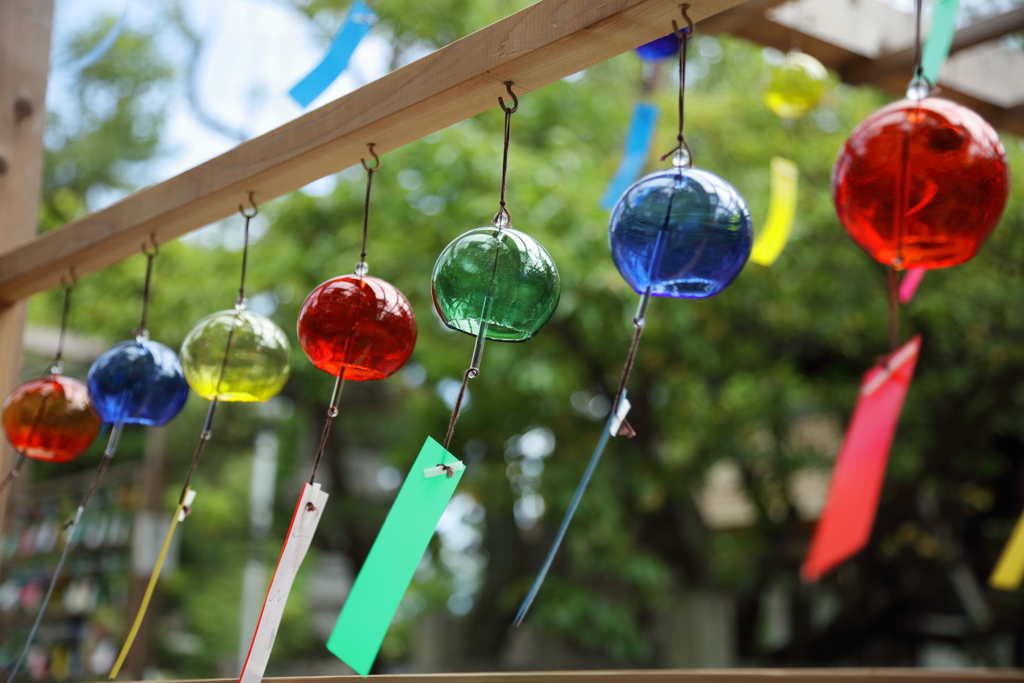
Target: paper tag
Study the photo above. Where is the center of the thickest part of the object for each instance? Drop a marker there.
(179, 515)
(845, 524)
(782, 194)
(908, 285)
(621, 410)
(1009, 569)
(940, 39)
(391, 564)
(300, 535)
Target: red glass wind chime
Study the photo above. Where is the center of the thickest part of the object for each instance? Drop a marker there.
(919, 184)
(356, 327)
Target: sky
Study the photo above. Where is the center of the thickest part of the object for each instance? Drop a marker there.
(255, 51)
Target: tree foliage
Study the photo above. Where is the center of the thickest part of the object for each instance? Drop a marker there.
(729, 379)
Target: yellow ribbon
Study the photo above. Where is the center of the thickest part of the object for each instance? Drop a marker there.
(1009, 569)
(781, 212)
(149, 590)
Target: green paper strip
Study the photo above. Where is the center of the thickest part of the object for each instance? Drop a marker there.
(940, 38)
(389, 568)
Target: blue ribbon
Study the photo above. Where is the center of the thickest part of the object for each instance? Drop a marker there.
(357, 24)
(638, 147)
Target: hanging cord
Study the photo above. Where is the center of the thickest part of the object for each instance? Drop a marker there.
(71, 527)
(150, 254)
(894, 310)
(606, 434)
(920, 87)
(240, 302)
(918, 66)
(15, 469)
(239, 306)
(680, 154)
(362, 268)
(503, 218)
(69, 285)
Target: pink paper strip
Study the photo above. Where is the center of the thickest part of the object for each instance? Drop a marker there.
(845, 525)
(908, 285)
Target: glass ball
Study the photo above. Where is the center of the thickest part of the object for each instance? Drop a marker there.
(796, 86)
(659, 49)
(236, 356)
(501, 276)
(921, 184)
(50, 418)
(683, 232)
(138, 382)
(363, 325)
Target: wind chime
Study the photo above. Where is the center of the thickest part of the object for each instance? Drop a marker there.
(233, 355)
(681, 233)
(355, 327)
(492, 283)
(919, 184)
(134, 382)
(49, 418)
(796, 86)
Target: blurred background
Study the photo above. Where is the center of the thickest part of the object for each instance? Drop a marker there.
(686, 548)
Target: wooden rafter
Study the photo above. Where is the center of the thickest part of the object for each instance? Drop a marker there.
(534, 47)
(859, 61)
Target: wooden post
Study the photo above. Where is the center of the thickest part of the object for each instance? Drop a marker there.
(24, 63)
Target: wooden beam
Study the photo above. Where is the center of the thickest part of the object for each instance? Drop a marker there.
(534, 47)
(902, 675)
(25, 27)
(874, 70)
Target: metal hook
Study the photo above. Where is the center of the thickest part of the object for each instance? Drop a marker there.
(689, 24)
(71, 284)
(515, 100)
(146, 251)
(255, 209)
(375, 158)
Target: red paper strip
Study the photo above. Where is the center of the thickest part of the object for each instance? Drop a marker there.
(908, 285)
(845, 525)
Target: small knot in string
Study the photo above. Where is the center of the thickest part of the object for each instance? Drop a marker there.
(681, 156)
(141, 332)
(69, 285)
(362, 268)
(503, 219)
(248, 215)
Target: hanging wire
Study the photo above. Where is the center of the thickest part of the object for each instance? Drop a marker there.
(14, 471)
(240, 302)
(240, 306)
(682, 148)
(150, 254)
(918, 65)
(624, 430)
(69, 286)
(503, 218)
(362, 268)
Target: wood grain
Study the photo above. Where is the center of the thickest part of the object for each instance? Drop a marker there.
(25, 27)
(534, 47)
